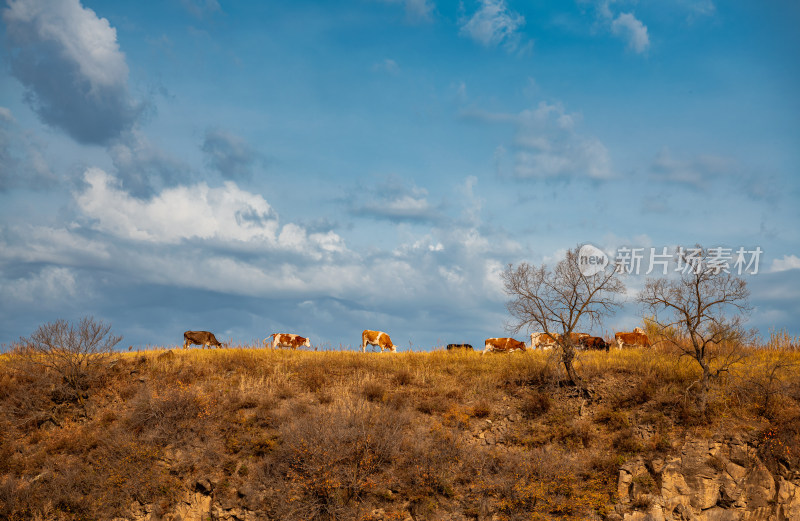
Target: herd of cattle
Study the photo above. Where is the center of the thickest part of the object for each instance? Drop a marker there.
(636, 338)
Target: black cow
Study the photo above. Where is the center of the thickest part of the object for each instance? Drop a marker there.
(459, 346)
(593, 342)
(200, 338)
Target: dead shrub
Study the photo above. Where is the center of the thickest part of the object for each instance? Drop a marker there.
(312, 376)
(403, 376)
(77, 353)
(168, 414)
(326, 466)
(374, 391)
(625, 442)
(779, 444)
(432, 405)
(613, 418)
(575, 434)
(535, 404)
(642, 392)
(482, 409)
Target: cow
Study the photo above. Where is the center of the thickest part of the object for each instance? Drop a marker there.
(376, 338)
(450, 347)
(503, 345)
(548, 341)
(200, 338)
(635, 339)
(287, 340)
(593, 342)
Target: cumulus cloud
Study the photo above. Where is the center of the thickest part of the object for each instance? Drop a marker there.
(22, 162)
(548, 146)
(50, 285)
(393, 200)
(229, 154)
(183, 212)
(69, 61)
(627, 26)
(788, 262)
(224, 215)
(494, 24)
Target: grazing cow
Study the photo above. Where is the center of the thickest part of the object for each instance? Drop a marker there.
(549, 341)
(594, 342)
(376, 338)
(287, 340)
(459, 346)
(634, 339)
(503, 345)
(200, 338)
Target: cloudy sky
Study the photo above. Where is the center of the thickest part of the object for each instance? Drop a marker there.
(326, 167)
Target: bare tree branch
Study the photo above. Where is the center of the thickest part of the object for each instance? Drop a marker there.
(701, 313)
(560, 300)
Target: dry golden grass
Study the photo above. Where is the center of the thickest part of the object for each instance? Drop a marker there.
(334, 434)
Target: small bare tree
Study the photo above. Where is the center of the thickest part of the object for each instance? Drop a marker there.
(560, 300)
(72, 352)
(701, 313)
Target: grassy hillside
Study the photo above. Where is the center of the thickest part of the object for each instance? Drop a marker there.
(337, 435)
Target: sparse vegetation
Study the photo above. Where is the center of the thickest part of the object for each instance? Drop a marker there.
(701, 314)
(335, 435)
(559, 301)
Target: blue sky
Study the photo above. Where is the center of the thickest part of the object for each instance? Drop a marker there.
(326, 167)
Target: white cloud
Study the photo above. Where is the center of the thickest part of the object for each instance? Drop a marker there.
(225, 215)
(50, 285)
(177, 213)
(625, 26)
(628, 26)
(494, 24)
(81, 37)
(788, 262)
(547, 145)
(70, 62)
(394, 200)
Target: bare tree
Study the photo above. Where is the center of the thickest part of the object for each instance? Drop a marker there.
(560, 300)
(72, 352)
(701, 313)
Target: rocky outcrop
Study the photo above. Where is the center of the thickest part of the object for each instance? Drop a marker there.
(710, 480)
(199, 505)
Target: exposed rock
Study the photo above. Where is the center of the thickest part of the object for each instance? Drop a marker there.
(203, 486)
(711, 480)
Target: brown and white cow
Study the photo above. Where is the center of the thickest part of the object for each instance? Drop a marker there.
(287, 340)
(503, 345)
(637, 338)
(468, 347)
(551, 340)
(376, 338)
(200, 338)
(594, 342)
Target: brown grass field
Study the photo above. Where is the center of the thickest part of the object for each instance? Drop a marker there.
(337, 435)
